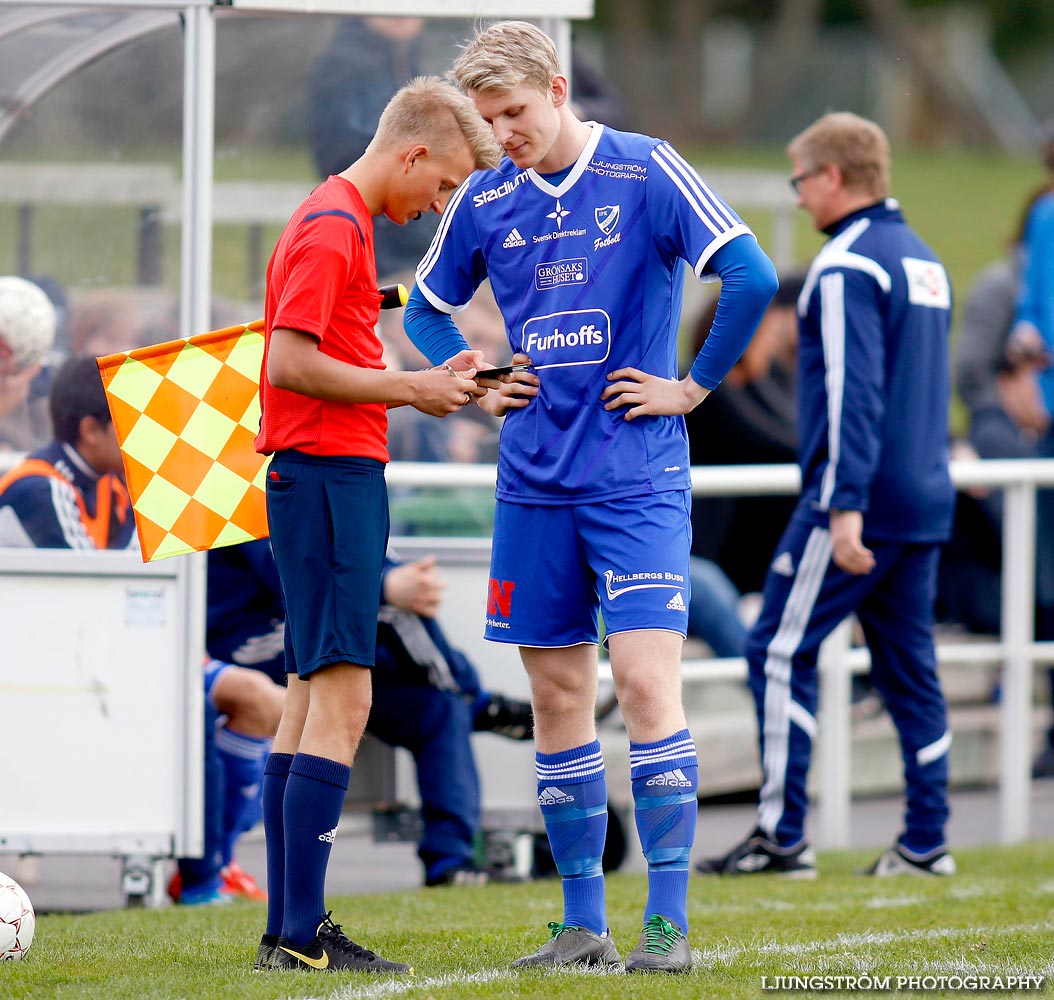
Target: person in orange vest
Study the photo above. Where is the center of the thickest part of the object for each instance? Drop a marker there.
(70, 494)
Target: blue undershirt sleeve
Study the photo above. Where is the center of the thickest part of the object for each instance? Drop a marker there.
(748, 282)
(430, 330)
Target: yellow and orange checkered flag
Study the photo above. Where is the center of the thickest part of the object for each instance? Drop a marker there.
(186, 414)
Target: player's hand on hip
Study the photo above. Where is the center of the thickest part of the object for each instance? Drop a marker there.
(415, 586)
(442, 391)
(847, 547)
(651, 395)
(509, 392)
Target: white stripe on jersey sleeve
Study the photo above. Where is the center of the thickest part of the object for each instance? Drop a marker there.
(832, 333)
(679, 180)
(440, 304)
(68, 515)
(695, 193)
(713, 247)
(432, 254)
(688, 181)
(697, 182)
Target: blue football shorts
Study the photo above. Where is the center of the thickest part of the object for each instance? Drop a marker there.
(329, 530)
(553, 568)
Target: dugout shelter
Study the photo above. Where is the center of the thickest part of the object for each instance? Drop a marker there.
(101, 678)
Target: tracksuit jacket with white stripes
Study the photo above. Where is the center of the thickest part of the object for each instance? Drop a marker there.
(873, 379)
(873, 423)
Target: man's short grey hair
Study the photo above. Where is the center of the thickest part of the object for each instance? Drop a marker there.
(504, 56)
(27, 321)
(430, 111)
(857, 146)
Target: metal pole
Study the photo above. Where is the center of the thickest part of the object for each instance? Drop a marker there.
(25, 239)
(1018, 623)
(199, 70)
(151, 263)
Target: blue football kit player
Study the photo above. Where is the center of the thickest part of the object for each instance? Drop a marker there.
(876, 502)
(583, 232)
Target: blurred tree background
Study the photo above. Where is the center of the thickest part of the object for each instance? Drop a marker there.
(932, 71)
(959, 85)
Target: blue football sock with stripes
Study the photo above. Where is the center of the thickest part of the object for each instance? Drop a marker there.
(665, 778)
(314, 797)
(572, 793)
(243, 760)
(276, 774)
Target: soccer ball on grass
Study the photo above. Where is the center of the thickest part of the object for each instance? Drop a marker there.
(17, 920)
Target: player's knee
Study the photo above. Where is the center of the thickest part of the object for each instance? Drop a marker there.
(555, 700)
(647, 698)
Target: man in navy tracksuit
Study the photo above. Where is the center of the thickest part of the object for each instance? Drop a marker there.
(876, 502)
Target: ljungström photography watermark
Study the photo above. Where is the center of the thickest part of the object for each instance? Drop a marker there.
(970, 983)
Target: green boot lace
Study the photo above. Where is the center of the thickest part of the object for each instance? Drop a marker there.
(661, 936)
(556, 928)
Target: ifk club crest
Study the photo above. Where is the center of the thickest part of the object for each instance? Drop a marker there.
(607, 218)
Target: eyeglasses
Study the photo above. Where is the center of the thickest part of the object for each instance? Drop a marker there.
(795, 181)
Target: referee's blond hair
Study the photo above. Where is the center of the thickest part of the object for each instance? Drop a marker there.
(429, 110)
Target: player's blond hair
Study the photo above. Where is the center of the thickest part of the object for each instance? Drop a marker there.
(856, 146)
(504, 56)
(429, 110)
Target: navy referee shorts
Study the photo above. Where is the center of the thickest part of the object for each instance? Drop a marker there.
(328, 517)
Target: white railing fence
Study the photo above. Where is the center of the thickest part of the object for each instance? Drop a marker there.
(1014, 652)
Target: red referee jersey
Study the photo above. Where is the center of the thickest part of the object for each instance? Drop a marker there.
(322, 279)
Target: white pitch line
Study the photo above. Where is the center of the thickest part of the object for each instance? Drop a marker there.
(724, 956)
(704, 959)
(397, 987)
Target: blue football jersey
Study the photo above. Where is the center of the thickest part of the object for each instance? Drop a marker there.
(588, 273)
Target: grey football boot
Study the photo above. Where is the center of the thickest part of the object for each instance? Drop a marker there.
(662, 948)
(572, 946)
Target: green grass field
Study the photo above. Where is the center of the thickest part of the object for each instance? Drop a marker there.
(993, 919)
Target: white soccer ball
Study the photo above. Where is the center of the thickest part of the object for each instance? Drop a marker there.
(27, 320)
(17, 920)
